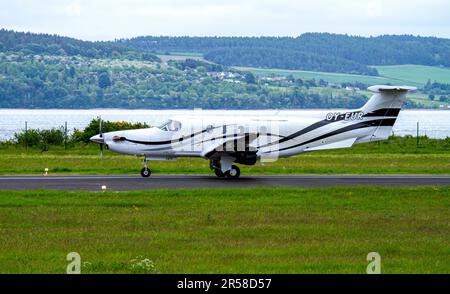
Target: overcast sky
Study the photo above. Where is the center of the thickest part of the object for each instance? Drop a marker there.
(110, 19)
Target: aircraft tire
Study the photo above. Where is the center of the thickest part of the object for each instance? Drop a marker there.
(219, 173)
(146, 172)
(234, 173)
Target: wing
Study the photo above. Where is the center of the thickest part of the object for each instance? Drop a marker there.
(232, 146)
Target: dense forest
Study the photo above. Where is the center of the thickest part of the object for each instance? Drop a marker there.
(314, 51)
(29, 43)
(286, 59)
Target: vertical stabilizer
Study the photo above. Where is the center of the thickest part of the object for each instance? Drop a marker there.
(383, 108)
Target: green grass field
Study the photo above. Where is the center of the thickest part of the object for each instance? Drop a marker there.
(263, 230)
(399, 155)
(180, 56)
(326, 76)
(412, 75)
(415, 74)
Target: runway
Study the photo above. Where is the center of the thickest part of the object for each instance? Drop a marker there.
(130, 182)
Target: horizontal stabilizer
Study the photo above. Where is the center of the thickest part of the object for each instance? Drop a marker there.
(336, 145)
(382, 88)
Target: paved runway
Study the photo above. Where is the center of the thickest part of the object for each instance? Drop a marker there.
(126, 182)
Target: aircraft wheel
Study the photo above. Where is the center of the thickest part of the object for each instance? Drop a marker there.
(146, 172)
(234, 173)
(219, 173)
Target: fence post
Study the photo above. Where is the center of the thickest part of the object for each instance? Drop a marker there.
(65, 135)
(417, 135)
(26, 135)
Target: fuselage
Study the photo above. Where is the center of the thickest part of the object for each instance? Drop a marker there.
(225, 140)
(271, 136)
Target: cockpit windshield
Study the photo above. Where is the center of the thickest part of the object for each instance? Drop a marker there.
(171, 125)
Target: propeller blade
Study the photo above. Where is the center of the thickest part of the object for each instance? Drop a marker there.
(101, 151)
(100, 127)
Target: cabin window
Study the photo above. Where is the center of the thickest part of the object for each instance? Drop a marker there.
(209, 129)
(171, 126)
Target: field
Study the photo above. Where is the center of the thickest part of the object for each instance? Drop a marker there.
(399, 155)
(276, 230)
(326, 76)
(181, 56)
(415, 74)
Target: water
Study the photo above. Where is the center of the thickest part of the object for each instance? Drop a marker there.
(433, 123)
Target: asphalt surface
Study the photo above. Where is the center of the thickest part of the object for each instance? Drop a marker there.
(127, 183)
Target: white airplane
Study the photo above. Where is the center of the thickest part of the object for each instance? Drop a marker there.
(224, 140)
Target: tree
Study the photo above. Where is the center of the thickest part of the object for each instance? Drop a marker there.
(431, 97)
(249, 78)
(72, 71)
(104, 81)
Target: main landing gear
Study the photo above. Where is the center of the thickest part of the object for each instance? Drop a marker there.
(233, 171)
(146, 172)
(222, 168)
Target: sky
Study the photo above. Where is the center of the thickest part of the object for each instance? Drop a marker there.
(115, 19)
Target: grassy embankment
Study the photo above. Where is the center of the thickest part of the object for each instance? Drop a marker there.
(262, 230)
(397, 155)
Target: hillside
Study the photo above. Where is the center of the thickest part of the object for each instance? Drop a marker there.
(47, 71)
(311, 51)
(48, 81)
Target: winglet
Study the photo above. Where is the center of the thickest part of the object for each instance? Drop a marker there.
(382, 88)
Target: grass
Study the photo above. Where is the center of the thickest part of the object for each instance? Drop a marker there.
(415, 74)
(262, 230)
(412, 75)
(415, 96)
(336, 78)
(181, 56)
(399, 155)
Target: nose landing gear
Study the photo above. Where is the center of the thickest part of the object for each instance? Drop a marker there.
(146, 172)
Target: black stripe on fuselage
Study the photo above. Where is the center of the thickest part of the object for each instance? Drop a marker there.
(392, 112)
(170, 141)
(217, 138)
(189, 137)
(366, 124)
(384, 112)
(379, 112)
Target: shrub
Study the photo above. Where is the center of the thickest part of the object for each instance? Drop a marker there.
(40, 138)
(55, 136)
(52, 137)
(92, 129)
(31, 138)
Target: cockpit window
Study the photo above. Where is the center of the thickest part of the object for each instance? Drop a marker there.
(171, 125)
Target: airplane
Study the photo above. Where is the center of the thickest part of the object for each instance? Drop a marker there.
(229, 140)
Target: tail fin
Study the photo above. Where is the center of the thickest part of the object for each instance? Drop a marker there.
(383, 108)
